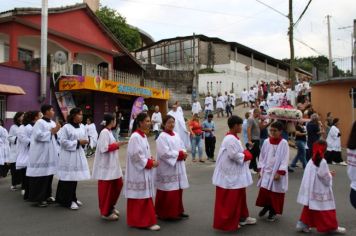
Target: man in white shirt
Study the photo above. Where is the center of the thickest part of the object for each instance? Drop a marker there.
(196, 107)
(156, 122)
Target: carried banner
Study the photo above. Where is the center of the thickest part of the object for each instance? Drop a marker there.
(137, 108)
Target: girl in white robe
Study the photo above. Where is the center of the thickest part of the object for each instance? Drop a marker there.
(171, 176)
(273, 173)
(180, 126)
(316, 195)
(107, 170)
(43, 158)
(72, 164)
(139, 181)
(14, 150)
(24, 140)
(231, 177)
(4, 149)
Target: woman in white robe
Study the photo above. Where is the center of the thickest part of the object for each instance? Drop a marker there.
(43, 158)
(24, 140)
(14, 150)
(171, 176)
(180, 126)
(107, 170)
(4, 149)
(316, 195)
(273, 173)
(231, 178)
(139, 181)
(72, 164)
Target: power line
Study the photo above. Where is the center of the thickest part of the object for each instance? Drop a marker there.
(310, 47)
(273, 9)
(302, 14)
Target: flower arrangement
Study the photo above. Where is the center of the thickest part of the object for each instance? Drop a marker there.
(285, 113)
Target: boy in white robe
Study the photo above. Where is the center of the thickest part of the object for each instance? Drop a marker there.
(231, 177)
(156, 121)
(244, 97)
(171, 177)
(220, 105)
(4, 149)
(180, 126)
(43, 158)
(93, 136)
(196, 107)
(139, 181)
(208, 105)
(316, 195)
(273, 173)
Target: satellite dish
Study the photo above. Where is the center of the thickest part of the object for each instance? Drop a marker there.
(60, 57)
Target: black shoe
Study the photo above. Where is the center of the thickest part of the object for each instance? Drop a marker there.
(42, 204)
(263, 212)
(271, 218)
(290, 170)
(51, 200)
(183, 215)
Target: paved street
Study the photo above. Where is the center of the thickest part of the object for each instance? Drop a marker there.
(20, 218)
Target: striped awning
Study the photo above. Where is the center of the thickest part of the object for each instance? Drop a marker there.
(11, 89)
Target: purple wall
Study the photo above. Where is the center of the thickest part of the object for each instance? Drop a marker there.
(29, 82)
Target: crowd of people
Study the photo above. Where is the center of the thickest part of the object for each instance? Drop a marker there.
(37, 148)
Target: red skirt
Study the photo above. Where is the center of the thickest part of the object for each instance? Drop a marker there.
(268, 198)
(108, 192)
(169, 204)
(323, 221)
(141, 213)
(230, 207)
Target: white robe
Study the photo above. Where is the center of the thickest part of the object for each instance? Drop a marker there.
(333, 140)
(209, 103)
(233, 99)
(170, 174)
(244, 96)
(92, 134)
(251, 96)
(14, 149)
(351, 167)
(220, 101)
(4, 145)
(316, 187)
(181, 128)
(72, 164)
(24, 139)
(44, 150)
(272, 159)
(157, 121)
(231, 171)
(272, 100)
(139, 181)
(106, 164)
(196, 108)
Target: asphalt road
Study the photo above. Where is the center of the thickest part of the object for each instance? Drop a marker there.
(21, 218)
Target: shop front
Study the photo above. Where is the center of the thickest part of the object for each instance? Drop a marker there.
(97, 96)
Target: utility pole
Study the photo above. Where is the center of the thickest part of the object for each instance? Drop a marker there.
(195, 93)
(291, 45)
(44, 31)
(329, 44)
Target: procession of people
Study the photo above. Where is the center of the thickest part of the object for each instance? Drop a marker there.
(36, 149)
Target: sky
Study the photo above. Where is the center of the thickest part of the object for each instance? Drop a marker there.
(244, 21)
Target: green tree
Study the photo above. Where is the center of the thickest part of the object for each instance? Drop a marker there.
(127, 35)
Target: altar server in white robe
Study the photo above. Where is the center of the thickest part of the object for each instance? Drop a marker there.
(139, 182)
(24, 139)
(4, 149)
(220, 105)
(244, 97)
(107, 170)
(180, 127)
(273, 173)
(14, 150)
(92, 133)
(171, 177)
(156, 122)
(208, 105)
(231, 177)
(316, 195)
(43, 157)
(196, 107)
(72, 164)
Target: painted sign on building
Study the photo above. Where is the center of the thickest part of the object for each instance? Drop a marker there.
(98, 84)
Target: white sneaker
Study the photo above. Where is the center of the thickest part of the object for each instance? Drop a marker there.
(253, 172)
(340, 230)
(301, 227)
(116, 212)
(74, 206)
(13, 188)
(111, 217)
(342, 163)
(22, 192)
(333, 163)
(154, 228)
(248, 221)
(79, 203)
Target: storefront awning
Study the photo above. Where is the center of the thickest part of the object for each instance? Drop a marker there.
(11, 89)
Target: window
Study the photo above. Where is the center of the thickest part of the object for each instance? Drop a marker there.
(2, 107)
(24, 54)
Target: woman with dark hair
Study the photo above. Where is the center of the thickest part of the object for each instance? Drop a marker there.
(24, 139)
(14, 150)
(316, 195)
(351, 161)
(4, 149)
(139, 185)
(314, 132)
(107, 170)
(273, 173)
(333, 154)
(171, 176)
(72, 164)
(43, 158)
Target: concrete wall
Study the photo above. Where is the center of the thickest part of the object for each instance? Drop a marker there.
(334, 97)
